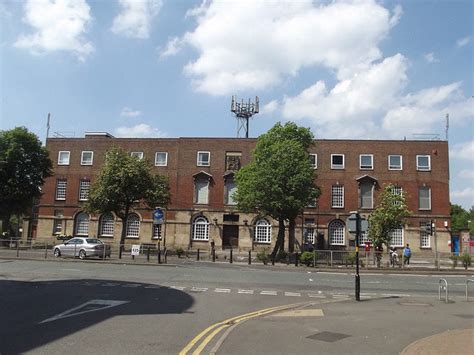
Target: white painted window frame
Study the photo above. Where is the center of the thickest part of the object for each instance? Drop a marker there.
(401, 162)
(83, 162)
(68, 157)
(166, 159)
(338, 167)
(371, 162)
(420, 168)
(200, 162)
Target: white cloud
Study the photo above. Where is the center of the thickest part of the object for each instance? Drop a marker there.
(466, 174)
(128, 112)
(172, 47)
(351, 108)
(463, 41)
(430, 58)
(136, 17)
(141, 130)
(59, 26)
(463, 151)
(465, 197)
(271, 107)
(250, 45)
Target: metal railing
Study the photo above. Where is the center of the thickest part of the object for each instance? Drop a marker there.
(467, 289)
(443, 285)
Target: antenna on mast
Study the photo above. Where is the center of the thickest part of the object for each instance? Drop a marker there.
(447, 125)
(243, 112)
(47, 127)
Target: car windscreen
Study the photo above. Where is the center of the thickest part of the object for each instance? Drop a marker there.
(93, 241)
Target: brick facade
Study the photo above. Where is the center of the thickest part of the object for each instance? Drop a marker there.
(225, 224)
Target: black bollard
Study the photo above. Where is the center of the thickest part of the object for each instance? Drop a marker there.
(296, 259)
(213, 255)
(273, 259)
(230, 260)
(148, 254)
(198, 255)
(250, 257)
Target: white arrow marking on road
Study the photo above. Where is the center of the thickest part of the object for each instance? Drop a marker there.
(98, 305)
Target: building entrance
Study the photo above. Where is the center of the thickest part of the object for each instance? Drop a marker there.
(230, 236)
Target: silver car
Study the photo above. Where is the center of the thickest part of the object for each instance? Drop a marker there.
(82, 247)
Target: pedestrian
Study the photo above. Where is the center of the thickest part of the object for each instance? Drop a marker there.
(407, 254)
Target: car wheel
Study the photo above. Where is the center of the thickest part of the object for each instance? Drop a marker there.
(57, 253)
(82, 254)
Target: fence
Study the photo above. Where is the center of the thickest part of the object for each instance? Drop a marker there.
(157, 253)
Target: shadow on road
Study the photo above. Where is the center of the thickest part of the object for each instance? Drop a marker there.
(66, 307)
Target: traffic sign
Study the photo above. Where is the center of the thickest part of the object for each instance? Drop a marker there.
(352, 224)
(158, 216)
(135, 250)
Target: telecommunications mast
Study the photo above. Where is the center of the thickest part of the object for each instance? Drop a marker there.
(243, 112)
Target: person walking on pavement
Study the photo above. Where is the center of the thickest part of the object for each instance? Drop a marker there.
(407, 254)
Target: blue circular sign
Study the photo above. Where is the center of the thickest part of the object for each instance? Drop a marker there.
(158, 214)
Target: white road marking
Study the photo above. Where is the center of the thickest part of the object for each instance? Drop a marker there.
(368, 294)
(222, 290)
(198, 289)
(373, 282)
(181, 288)
(332, 273)
(269, 293)
(247, 292)
(340, 296)
(310, 279)
(292, 294)
(71, 270)
(316, 296)
(97, 304)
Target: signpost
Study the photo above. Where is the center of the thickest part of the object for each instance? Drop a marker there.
(135, 251)
(159, 218)
(358, 225)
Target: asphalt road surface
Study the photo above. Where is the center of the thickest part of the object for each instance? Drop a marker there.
(76, 307)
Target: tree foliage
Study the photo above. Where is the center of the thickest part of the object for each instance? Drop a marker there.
(125, 183)
(389, 214)
(279, 181)
(460, 219)
(24, 165)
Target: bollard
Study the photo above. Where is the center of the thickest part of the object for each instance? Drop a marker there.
(159, 253)
(296, 259)
(273, 259)
(133, 257)
(17, 249)
(46, 250)
(148, 254)
(213, 255)
(250, 257)
(197, 256)
(166, 255)
(230, 260)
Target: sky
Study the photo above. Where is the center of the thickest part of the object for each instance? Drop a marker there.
(168, 68)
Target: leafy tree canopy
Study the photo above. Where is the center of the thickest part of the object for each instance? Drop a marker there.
(389, 214)
(460, 219)
(124, 183)
(279, 181)
(24, 165)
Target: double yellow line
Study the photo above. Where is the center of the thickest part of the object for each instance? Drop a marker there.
(214, 329)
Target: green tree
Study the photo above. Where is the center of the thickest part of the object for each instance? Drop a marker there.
(24, 165)
(389, 214)
(279, 181)
(126, 183)
(461, 219)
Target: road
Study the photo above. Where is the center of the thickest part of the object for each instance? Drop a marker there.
(75, 307)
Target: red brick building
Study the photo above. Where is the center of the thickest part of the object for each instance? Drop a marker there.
(351, 174)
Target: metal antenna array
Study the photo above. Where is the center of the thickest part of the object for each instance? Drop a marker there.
(243, 112)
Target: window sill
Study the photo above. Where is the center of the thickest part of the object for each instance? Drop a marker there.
(130, 237)
(337, 168)
(266, 243)
(200, 240)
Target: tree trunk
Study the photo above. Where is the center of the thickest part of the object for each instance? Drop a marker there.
(291, 235)
(280, 242)
(124, 232)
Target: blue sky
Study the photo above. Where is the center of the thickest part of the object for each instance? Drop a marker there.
(347, 69)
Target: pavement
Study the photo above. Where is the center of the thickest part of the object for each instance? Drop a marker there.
(458, 341)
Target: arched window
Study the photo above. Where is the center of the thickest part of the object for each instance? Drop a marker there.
(133, 226)
(336, 233)
(107, 225)
(201, 228)
(82, 224)
(263, 231)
